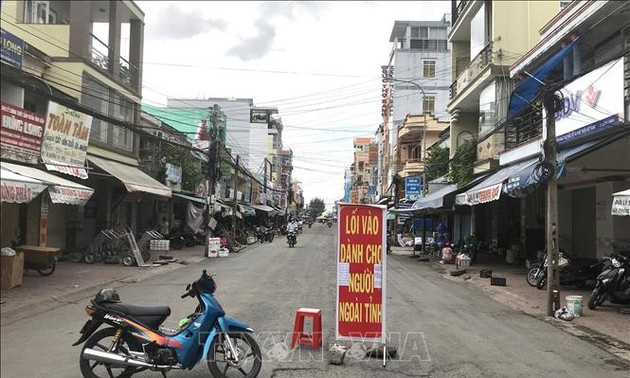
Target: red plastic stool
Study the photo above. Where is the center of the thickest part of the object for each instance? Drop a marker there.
(299, 337)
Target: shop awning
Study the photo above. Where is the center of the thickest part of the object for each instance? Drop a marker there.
(16, 188)
(265, 208)
(134, 179)
(190, 198)
(60, 189)
(490, 189)
(434, 200)
(621, 203)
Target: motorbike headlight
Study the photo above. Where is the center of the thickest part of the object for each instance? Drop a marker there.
(616, 263)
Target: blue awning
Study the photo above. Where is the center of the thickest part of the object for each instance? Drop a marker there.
(521, 183)
(528, 88)
(434, 200)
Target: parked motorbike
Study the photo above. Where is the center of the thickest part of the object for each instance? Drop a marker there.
(264, 234)
(571, 272)
(133, 340)
(292, 239)
(613, 283)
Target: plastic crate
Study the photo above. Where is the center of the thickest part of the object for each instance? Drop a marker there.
(159, 245)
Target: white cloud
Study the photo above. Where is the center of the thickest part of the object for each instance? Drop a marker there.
(318, 62)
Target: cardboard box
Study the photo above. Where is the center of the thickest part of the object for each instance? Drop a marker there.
(12, 269)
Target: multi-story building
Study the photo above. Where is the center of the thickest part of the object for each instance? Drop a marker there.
(418, 74)
(581, 53)
(417, 133)
(362, 172)
(83, 59)
(486, 38)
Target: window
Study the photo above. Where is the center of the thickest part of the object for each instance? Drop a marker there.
(39, 12)
(478, 32)
(416, 152)
(428, 68)
(123, 110)
(428, 104)
(487, 108)
(96, 97)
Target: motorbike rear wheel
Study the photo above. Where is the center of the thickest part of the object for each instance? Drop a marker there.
(220, 362)
(598, 297)
(102, 340)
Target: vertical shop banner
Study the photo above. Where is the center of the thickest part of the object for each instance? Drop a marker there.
(43, 221)
(65, 140)
(20, 134)
(361, 268)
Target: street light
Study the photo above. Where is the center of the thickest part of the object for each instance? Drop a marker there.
(424, 132)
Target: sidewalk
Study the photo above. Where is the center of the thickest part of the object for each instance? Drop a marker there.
(76, 281)
(605, 326)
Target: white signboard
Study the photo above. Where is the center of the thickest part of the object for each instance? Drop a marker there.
(65, 140)
(621, 203)
(591, 102)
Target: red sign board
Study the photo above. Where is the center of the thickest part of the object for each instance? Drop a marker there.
(21, 134)
(361, 263)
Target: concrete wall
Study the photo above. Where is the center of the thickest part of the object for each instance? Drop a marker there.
(515, 26)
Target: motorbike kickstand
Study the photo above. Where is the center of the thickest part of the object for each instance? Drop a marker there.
(163, 373)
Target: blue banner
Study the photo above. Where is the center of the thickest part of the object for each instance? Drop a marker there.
(412, 187)
(12, 49)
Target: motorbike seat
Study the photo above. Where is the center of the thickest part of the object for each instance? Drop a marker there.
(151, 316)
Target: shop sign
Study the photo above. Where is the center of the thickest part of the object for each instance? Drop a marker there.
(12, 49)
(69, 195)
(373, 155)
(621, 205)
(19, 192)
(592, 102)
(65, 140)
(484, 195)
(20, 134)
(361, 267)
(412, 187)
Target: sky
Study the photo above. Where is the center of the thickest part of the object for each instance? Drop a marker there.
(317, 62)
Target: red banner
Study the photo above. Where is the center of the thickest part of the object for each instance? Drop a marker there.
(20, 134)
(361, 263)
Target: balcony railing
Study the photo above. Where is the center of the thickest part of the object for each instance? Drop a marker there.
(100, 53)
(481, 61)
(128, 72)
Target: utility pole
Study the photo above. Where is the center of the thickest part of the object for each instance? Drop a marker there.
(213, 167)
(551, 103)
(235, 206)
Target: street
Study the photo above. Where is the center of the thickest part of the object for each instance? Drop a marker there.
(440, 328)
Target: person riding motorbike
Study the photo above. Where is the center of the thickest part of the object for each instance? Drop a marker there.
(292, 228)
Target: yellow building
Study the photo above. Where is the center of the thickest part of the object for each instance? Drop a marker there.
(487, 37)
(86, 56)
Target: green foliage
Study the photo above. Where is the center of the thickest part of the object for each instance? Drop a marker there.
(192, 172)
(317, 206)
(437, 163)
(462, 165)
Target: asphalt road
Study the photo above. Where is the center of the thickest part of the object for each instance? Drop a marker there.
(441, 328)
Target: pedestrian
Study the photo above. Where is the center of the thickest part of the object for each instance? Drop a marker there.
(164, 227)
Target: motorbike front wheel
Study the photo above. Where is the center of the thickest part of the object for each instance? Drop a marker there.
(103, 340)
(531, 276)
(598, 297)
(221, 361)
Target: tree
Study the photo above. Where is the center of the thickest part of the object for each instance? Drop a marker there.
(462, 164)
(317, 206)
(437, 163)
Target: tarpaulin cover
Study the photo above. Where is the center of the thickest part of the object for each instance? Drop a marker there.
(194, 217)
(527, 89)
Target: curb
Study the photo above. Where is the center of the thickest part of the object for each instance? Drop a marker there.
(52, 302)
(610, 344)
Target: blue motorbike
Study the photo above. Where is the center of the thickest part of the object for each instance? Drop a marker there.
(134, 341)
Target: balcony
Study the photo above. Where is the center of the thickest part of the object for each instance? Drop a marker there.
(410, 167)
(469, 74)
(410, 132)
